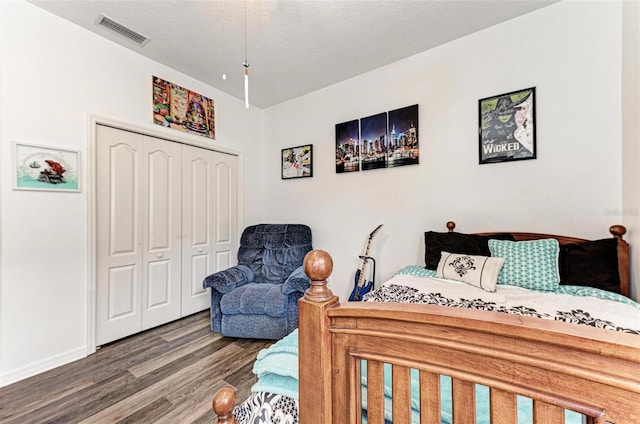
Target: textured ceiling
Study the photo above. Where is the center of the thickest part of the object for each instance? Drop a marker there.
(294, 47)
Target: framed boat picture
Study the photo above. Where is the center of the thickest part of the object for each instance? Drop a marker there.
(46, 168)
(507, 127)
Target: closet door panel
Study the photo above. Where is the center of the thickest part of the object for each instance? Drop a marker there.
(121, 292)
(199, 199)
(197, 225)
(224, 260)
(197, 298)
(224, 194)
(161, 277)
(227, 232)
(159, 284)
(119, 235)
(203, 170)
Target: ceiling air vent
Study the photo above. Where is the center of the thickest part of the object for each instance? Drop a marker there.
(113, 26)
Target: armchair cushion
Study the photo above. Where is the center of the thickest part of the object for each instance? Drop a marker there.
(255, 299)
(273, 251)
(229, 279)
(297, 281)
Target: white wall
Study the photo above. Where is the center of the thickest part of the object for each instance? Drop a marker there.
(53, 74)
(571, 53)
(631, 135)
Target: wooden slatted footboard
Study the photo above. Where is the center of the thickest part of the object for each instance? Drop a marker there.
(560, 366)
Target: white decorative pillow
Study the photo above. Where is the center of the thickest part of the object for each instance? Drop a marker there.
(479, 271)
(531, 264)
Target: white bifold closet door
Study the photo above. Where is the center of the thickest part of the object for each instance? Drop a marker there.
(209, 221)
(166, 218)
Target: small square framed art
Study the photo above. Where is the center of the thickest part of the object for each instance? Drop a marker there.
(297, 162)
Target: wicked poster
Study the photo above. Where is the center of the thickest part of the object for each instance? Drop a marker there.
(507, 127)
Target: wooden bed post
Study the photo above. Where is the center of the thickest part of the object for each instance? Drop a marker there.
(223, 402)
(314, 339)
(623, 259)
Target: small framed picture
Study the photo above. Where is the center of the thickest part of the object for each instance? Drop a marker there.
(297, 162)
(46, 168)
(507, 127)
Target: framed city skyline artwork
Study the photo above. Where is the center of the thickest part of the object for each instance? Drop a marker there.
(384, 140)
(348, 146)
(373, 141)
(404, 147)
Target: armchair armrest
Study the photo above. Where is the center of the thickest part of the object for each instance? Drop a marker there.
(228, 279)
(297, 281)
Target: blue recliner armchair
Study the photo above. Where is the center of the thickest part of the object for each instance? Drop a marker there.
(258, 298)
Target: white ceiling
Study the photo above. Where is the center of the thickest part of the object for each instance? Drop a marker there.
(294, 46)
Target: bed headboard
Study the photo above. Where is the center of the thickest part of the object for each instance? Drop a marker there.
(617, 231)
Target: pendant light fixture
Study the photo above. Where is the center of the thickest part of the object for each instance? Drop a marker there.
(246, 61)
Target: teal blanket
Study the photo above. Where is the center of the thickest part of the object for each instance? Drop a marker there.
(277, 370)
(277, 367)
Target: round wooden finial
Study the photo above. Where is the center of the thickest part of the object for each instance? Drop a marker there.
(318, 265)
(451, 226)
(618, 230)
(223, 402)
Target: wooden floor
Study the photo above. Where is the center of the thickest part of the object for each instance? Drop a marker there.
(165, 375)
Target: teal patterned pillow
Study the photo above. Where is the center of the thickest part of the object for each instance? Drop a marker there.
(530, 264)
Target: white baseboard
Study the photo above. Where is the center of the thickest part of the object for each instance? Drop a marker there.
(42, 366)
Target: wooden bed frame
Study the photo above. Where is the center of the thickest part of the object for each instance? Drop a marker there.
(593, 371)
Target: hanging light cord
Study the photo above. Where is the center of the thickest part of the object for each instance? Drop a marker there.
(245, 34)
(246, 61)
(224, 45)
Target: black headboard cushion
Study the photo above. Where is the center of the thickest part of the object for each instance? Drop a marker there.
(591, 263)
(453, 242)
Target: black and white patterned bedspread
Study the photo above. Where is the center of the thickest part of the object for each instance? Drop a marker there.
(406, 294)
(267, 408)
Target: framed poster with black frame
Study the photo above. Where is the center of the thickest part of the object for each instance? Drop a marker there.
(297, 162)
(507, 127)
